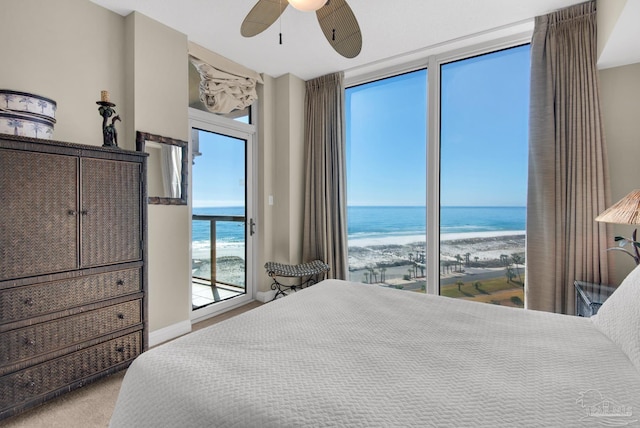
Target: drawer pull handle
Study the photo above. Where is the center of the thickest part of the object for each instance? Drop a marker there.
(29, 342)
(120, 349)
(30, 384)
(72, 212)
(84, 212)
(29, 302)
(121, 316)
(120, 282)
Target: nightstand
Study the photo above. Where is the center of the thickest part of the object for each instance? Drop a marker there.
(589, 297)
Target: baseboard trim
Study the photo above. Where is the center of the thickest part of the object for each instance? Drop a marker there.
(165, 334)
(265, 296)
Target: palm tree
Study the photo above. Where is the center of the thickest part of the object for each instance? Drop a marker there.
(366, 277)
(383, 277)
(445, 264)
(26, 101)
(477, 285)
(7, 98)
(509, 273)
(517, 260)
(466, 258)
(459, 260)
(42, 104)
(15, 124)
(459, 284)
(504, 259)
(36, 128)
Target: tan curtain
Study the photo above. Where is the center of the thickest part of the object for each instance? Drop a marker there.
(325, 211)
(568, 169)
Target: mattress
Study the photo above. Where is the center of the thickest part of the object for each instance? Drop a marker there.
(357, 355)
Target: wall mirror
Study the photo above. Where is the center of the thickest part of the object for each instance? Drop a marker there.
(166, 168)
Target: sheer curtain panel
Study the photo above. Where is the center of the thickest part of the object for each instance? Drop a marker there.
(325, 211)
(568, 169)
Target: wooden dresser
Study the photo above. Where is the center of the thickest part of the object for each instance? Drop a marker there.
(72, 266)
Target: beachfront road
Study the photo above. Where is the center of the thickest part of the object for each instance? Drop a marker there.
(476, 276)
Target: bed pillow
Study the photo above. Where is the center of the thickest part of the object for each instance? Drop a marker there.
(619, 317)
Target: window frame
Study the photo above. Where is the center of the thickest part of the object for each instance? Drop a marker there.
(439, 56)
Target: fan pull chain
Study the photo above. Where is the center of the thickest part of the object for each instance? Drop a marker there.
(333, 16)
(280, 22)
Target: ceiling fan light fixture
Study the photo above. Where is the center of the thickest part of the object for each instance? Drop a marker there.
(307, 5)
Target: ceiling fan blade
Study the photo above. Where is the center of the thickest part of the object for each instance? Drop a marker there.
(261, 16)
(340, 27)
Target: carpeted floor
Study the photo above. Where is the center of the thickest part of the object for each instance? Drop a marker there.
(92, 405)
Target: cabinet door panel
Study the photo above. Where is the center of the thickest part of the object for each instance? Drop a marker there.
(38, 213)
(110, 212)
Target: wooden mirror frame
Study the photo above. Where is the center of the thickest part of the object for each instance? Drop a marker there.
(141, 139)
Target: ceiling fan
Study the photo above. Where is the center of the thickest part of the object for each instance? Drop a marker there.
(335, 17)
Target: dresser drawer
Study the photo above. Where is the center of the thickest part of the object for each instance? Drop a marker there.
(24, 343)
(33, 300)
(20, 387)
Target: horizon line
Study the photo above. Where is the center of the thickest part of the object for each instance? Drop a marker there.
(389, 206)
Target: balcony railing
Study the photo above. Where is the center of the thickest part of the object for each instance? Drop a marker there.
(213, 221)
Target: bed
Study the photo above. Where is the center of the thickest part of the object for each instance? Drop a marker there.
(356, 355)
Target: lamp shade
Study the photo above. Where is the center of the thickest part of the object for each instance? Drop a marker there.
(307, 5)
(625, 211)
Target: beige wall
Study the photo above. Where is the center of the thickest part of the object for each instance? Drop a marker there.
(266, 110)
(70, 50)
(288, 170)
(66, 50)
(280, 113)
(158, 93)
(620, 90)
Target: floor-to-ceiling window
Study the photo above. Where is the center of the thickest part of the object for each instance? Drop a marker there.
(484, 111)
(386, 184)
(480, 170)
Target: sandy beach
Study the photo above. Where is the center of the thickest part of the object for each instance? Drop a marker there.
(396, 254)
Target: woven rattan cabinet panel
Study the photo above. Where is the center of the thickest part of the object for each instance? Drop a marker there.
(42, 298)
(110, 232)
(43, 338)
(24, 385)
(72, 267)
(38, 198)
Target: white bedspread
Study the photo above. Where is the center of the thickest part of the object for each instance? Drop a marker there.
(348, 354)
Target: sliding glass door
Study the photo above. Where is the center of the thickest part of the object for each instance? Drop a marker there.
(222, 219)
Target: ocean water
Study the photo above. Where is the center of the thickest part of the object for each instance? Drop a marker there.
(230, 235)
(385, 222)
(366, 223)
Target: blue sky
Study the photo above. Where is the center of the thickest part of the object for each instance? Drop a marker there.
(484, 128)
(218, 175)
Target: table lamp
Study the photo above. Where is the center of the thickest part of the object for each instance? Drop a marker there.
(625, 211)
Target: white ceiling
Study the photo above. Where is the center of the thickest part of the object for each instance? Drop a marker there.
(622, 46)
(391, 30)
